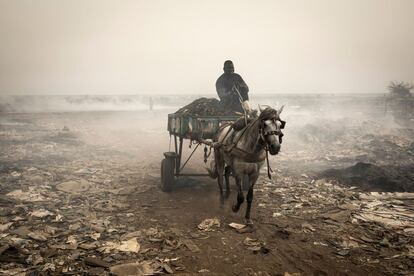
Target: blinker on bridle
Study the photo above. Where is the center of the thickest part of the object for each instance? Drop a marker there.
(278, 133)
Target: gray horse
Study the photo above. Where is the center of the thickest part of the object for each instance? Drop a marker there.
(242, 152)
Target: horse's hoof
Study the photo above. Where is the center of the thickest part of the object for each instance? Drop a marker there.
(249, 222)
(235, 208)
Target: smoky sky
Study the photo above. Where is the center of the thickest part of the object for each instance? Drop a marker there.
(169, 47)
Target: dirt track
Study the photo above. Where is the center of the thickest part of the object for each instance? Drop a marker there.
(301, 225)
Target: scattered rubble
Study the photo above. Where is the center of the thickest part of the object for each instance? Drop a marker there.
(131, 245)
(26, 196)
(255, 245)
(191, 246)
(208, 224)
(374, 178)
(67, 207)
(73, 186)
(41, 213)
(133, 269)
(92, 261)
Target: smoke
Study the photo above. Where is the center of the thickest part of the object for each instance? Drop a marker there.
(322, 131)
(78, 103)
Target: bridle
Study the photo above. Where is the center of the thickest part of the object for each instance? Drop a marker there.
(263, 133)
(262, 138)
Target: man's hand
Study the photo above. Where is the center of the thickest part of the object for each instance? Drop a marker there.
(246, 106)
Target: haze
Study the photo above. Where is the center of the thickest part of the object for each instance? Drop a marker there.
(177, 47)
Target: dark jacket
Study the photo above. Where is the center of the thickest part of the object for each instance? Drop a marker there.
(228, 96)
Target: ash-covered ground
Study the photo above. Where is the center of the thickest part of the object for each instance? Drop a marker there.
(79, 195)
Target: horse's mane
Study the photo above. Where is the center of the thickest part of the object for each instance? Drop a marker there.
(268, 114)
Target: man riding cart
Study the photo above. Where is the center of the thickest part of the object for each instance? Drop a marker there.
(238, 136)
(232, 90)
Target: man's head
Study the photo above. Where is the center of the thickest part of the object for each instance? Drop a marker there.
(228, 66)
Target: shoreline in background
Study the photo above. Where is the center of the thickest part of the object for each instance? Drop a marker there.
(79, 103)
(195, 94)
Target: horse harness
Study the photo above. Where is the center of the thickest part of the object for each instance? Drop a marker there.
(248, 156)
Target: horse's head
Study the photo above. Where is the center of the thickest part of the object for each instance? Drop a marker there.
(270, 129)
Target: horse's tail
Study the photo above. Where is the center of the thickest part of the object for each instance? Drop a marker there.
(212, 170)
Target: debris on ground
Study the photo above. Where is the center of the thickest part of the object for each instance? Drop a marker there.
(209, 224)
(255, 245)
(41, 213)
(237, 226)
(30, 195)
(375, 178)
(242, 228)
(72, 204)
(133, 269)
(92, 261)
(130, 245)
(292, 274)
(251, 242)
(73, 186)
(191, 245)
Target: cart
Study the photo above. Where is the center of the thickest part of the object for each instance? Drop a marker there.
(199, 130)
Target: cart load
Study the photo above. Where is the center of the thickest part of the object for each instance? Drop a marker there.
(200, 119)
(206, 107)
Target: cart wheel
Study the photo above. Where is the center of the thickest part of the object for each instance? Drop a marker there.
(167, 174)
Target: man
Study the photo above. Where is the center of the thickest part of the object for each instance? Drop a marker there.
(232, 90)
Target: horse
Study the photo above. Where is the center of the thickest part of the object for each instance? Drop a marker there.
(242, 152)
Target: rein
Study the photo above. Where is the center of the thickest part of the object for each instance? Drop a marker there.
(266, 148)
(234, 144)
(269, 169)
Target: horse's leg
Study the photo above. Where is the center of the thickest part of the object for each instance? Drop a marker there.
(240, 196)
(220, 170)
(249, 198)
(227, 171)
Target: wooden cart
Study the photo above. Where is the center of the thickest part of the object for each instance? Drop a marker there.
(199, 130)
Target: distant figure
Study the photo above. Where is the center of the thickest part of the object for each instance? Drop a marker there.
(232, 90)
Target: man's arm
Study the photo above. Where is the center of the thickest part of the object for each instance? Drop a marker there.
(243, 88)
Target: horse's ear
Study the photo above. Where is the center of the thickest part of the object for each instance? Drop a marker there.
(280, 110)
(260, 108)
